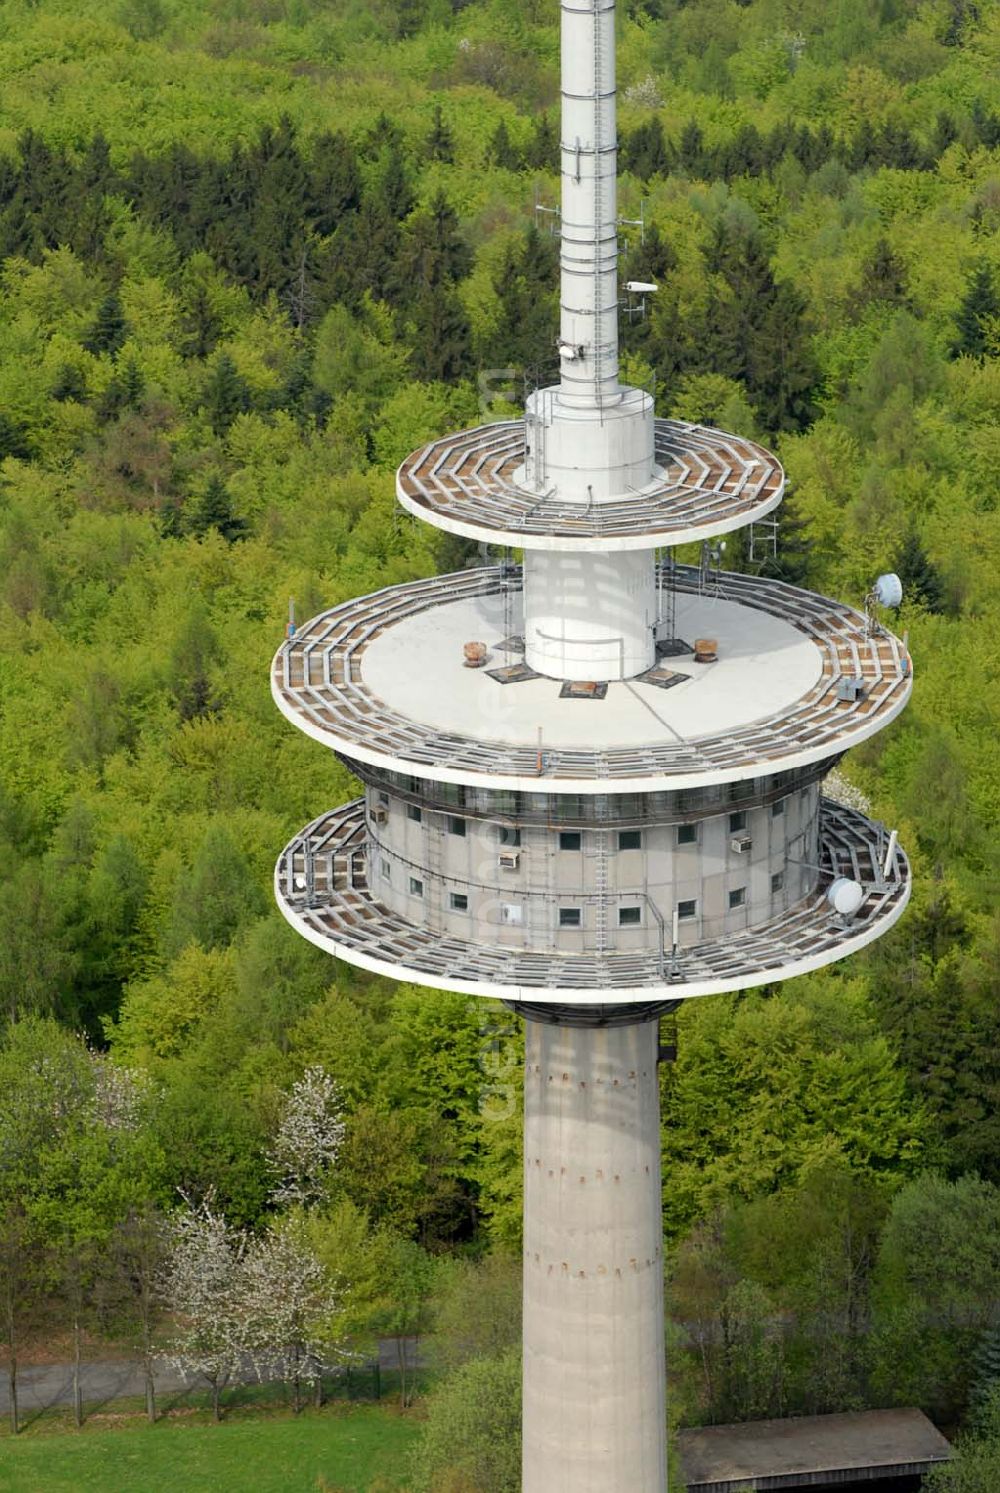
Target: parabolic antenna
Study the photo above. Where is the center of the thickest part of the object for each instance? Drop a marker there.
(888, 590)
(845, 896)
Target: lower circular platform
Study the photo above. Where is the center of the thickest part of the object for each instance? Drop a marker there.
(326, 898)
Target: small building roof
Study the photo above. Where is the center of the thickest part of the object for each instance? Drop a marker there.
(810, 1452)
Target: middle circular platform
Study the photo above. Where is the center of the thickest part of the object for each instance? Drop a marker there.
(800, 679)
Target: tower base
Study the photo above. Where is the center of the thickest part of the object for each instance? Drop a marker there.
(594, 1366)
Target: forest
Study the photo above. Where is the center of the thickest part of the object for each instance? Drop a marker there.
(252, 253)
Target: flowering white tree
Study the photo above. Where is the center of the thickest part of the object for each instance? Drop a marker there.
(291, 1310)
(308, 1140)
(119, 1093)
(201, 1283)
(842, 791)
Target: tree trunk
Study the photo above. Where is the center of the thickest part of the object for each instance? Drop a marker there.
(216, 1400)
(12, 1392)
(147, 1364)
(11, 1335)
(77, 1387)
(401, 1360)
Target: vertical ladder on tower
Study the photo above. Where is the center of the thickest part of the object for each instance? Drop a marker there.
(601, 889)
(763, 545)
(434, 834)
(598, 204)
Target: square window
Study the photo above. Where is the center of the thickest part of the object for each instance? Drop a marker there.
(509, 834)
(383, 799)
(737, 821)
(412, 812)
(456, 826)
(570, 917)
(778, 882)
(459, 902)
(687, 909)
(630, 839)
(629, 917)
(777, 809)
(511, 912)
(570, 839)
(416, 887)
(738, 897)
(386, 871)
(687, 834)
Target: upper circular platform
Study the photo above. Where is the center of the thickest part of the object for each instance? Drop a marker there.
(710, 483)
(382, 679)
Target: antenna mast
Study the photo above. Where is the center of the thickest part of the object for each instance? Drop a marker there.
(589, 261)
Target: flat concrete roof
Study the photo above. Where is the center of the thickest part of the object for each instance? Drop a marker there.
(771, 1454)
(382, 679)
(765, 667)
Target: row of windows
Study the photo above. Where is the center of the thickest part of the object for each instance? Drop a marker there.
(572, 839)
(577, 806)
(572, 917)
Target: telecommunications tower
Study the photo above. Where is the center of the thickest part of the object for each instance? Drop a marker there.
(592, 789)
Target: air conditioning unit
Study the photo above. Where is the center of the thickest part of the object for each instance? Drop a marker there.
(850, 689)
(741, 843)
(380, 816)
(509, 860)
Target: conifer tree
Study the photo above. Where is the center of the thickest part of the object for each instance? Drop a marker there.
(980, 305)
(195, 651)
(691, 150)
(921, 581)
(214, 510)
(753, 330)
(986, 1370)
(13, 440)
(133, 385)
(70, 384)
(502, 152)
(440, 143)
(542, 153)
(334, 182)
(645, 152)
(883, 278)
(110, 328)
(226, 395)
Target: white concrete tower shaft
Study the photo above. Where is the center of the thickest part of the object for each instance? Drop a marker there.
(594, 1369)
(589, 287)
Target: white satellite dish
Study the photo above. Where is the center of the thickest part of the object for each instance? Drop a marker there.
(845, 896)
(888, 590)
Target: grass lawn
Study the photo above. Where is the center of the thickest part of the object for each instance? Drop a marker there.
(338, 1450)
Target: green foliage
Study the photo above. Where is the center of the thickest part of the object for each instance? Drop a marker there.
(473, 1435)
(979, 310)
(936, 1280)
(767, 1088)
(359, 1453)
(976, 1463)
(303, 232)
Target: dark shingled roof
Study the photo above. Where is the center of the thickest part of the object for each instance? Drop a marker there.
(812, 1451)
